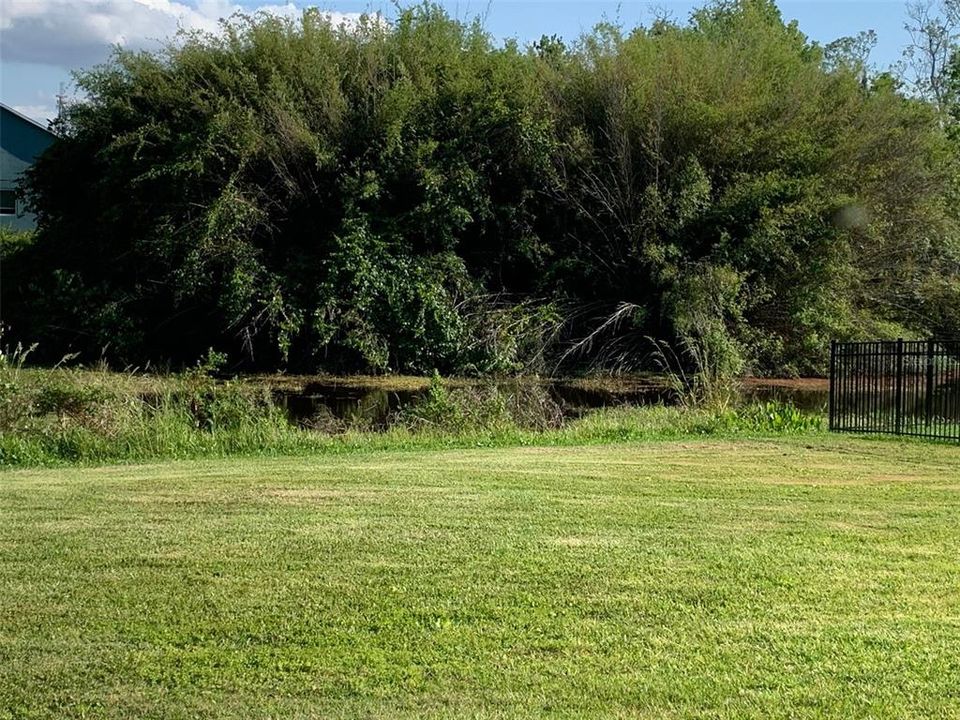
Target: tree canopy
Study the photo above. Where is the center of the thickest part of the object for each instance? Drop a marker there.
(410, 196)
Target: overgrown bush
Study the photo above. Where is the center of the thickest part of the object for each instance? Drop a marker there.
(410, 195)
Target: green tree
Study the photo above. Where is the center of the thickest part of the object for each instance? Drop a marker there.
(409, 196)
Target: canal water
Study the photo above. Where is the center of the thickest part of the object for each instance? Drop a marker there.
(374, 406)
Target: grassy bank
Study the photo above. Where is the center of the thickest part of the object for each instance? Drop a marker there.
(710, 578)
(66, 416)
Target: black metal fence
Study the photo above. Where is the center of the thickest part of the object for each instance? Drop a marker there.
(901, 387)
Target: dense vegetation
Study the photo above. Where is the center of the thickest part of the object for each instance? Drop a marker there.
(73, 415)
(410, 196)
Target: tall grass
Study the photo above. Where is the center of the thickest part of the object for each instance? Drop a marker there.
(66, 415)
(698, 376)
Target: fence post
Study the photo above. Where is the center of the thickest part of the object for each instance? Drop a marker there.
(833, 384)
(898, 416)
(929, 398)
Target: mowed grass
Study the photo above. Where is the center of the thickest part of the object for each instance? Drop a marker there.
(715, 579)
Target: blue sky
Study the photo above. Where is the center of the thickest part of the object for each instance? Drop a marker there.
(41, 41)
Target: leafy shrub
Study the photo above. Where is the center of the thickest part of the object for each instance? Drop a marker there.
(65, 399)
(14, 241)
(411, 195)
(778, 416)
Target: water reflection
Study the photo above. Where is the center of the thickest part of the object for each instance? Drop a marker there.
(315, 403)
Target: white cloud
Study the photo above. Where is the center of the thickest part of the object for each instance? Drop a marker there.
(79, 33)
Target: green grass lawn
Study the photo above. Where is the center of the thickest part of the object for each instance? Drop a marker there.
(713, 579)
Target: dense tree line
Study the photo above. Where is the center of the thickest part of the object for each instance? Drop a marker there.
(407, 196)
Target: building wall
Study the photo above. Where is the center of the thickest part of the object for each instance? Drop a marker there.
(21, 141)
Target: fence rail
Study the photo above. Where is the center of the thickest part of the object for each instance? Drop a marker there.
(900, 387)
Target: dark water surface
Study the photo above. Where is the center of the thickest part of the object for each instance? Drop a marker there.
(312, 402)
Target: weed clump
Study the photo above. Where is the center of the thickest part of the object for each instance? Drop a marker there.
(523, 404)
